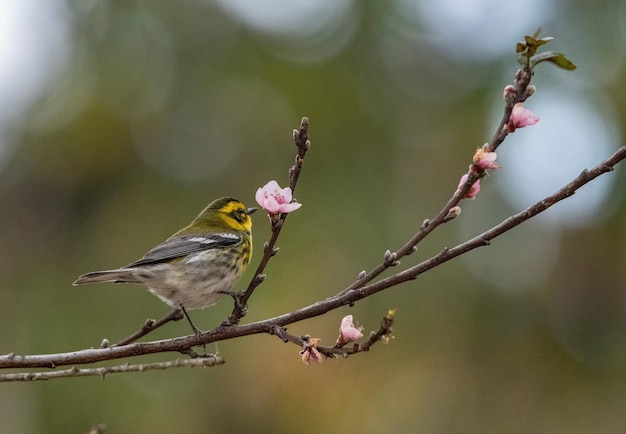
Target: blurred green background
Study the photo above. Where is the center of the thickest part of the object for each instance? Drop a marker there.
(122, 120)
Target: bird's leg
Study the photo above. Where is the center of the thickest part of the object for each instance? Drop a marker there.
(196, 331)
(151, 325)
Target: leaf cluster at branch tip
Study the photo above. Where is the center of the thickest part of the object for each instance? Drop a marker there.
(528, 56)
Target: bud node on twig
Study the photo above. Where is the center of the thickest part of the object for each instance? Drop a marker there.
(453, 213)
(390, 258)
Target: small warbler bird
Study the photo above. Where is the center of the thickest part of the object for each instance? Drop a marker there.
(196, 265)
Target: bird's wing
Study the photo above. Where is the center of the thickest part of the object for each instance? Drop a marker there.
(185, 245)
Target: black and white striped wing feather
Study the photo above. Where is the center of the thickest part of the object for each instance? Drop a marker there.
(184, 245)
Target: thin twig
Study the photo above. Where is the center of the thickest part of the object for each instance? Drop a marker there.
(383, 334)
(522, 81)
(485, 238)
(302, 142)
(150, 325)
(104, 371)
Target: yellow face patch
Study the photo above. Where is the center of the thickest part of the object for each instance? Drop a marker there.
(236, 215)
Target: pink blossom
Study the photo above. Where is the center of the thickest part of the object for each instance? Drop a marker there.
(486, 160)
(474, 189)
(521, 117)
(348, 332)
(310, 353)
(275, 200)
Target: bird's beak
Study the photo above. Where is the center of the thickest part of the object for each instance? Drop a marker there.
(251, 210)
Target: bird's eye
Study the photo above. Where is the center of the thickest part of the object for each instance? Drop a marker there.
(241, 215)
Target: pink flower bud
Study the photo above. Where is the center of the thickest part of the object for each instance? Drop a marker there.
(474, 189)
(521, 117)
(348, 332)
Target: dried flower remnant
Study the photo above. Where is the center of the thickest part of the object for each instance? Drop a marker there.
(310, 353)
(486, 160)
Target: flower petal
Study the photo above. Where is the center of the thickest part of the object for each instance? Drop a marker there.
(275, 200)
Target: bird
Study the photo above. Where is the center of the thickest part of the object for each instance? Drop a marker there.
(197, 264)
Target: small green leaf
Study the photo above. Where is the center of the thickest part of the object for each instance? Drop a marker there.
(544, 41)
(563, 62)
(558, 59)
(520, 47)
(530, 40)
(536, 34)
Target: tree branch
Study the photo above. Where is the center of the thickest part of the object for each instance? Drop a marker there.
(518, 94)
(104, 371)
(345, 297)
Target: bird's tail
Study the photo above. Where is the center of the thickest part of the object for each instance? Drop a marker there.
(121, 275)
